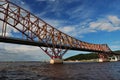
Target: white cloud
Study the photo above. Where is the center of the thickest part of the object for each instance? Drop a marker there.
(94, 25)
(54, 22)
(73, 30)
(85, 31)
(105, 24)
(115, 20)
(22, 51)
(67, 29)
(109, 24)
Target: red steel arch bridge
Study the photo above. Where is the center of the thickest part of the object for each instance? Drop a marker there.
(34, 31)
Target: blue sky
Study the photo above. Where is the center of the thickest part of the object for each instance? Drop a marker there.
(94, 21)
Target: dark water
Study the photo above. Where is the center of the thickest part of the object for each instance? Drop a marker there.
(66, 71)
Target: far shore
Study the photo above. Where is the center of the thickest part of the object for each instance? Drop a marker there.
(91, 60)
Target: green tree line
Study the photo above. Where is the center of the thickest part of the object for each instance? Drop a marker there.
(86, 56)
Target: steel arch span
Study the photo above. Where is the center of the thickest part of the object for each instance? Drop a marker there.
(35, 31)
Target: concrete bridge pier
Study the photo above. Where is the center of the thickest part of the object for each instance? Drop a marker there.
(103, 57)
(103, 60)
(114, 58)
(56, 60)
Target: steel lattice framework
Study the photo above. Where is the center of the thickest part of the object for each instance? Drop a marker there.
(35, 29)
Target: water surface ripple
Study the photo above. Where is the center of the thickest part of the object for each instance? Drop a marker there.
(66, 71)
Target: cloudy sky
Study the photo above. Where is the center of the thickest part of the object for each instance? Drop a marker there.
(94, 21)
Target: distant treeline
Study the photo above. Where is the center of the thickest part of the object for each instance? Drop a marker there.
(118, 51)
(86, 56)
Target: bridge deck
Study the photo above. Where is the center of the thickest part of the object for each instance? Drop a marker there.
(41, 44)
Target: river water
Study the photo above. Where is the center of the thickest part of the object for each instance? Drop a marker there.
(66, 71)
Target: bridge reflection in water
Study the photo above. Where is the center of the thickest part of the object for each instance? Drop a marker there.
(34, 31)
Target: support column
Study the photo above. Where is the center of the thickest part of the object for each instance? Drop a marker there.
(103, 60)
(115, 58)
(103, 57)
(118, 57)
(56, 60)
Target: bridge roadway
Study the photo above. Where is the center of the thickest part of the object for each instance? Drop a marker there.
(41, 44)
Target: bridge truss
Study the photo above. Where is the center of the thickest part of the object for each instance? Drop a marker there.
(35, 29)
